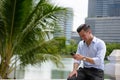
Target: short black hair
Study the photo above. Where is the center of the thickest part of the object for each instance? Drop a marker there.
(84, 27)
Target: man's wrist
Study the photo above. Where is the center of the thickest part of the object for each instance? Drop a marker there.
(84, 58)
(74, 69)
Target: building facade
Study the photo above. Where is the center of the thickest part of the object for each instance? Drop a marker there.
(104, 18)
(65, 23)
(75, 36)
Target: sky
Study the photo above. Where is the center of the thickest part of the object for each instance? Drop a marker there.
(80, 10)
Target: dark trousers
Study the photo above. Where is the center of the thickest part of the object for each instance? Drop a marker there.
(88, 74)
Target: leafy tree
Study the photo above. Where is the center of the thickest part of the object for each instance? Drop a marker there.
(110, 47)
(23, 33)
(72, 47)
(62, 44)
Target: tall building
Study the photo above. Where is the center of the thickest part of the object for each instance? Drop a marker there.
(65, 23)
(104, 18)
(68, 25)
(75, 36)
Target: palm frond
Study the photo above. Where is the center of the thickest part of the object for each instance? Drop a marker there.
(23, 32)
(41, 50)
(43, 14)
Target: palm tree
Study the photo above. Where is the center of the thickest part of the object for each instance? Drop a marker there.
(23, 33)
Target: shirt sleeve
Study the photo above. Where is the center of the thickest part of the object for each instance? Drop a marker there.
(78, 52)
(101, 50)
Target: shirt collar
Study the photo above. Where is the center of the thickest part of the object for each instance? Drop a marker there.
(94, 39)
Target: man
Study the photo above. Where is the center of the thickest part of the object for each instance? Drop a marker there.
(91, 50)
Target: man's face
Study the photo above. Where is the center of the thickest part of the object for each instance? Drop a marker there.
(84, 35)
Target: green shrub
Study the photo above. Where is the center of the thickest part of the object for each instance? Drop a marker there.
(110, 47)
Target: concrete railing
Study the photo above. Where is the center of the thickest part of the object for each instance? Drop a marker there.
(112, 68)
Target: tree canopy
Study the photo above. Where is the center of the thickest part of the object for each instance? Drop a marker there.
(23, 33)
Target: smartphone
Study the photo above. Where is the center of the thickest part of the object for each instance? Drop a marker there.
(73, 53)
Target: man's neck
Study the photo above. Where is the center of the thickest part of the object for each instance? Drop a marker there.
(90, 40)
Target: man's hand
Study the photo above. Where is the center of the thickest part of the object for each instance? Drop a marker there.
(78, 57)
(74, 72)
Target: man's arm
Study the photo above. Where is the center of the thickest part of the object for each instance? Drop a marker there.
(80, 57)
(74, 72)
(88, 59)
(75, 66)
